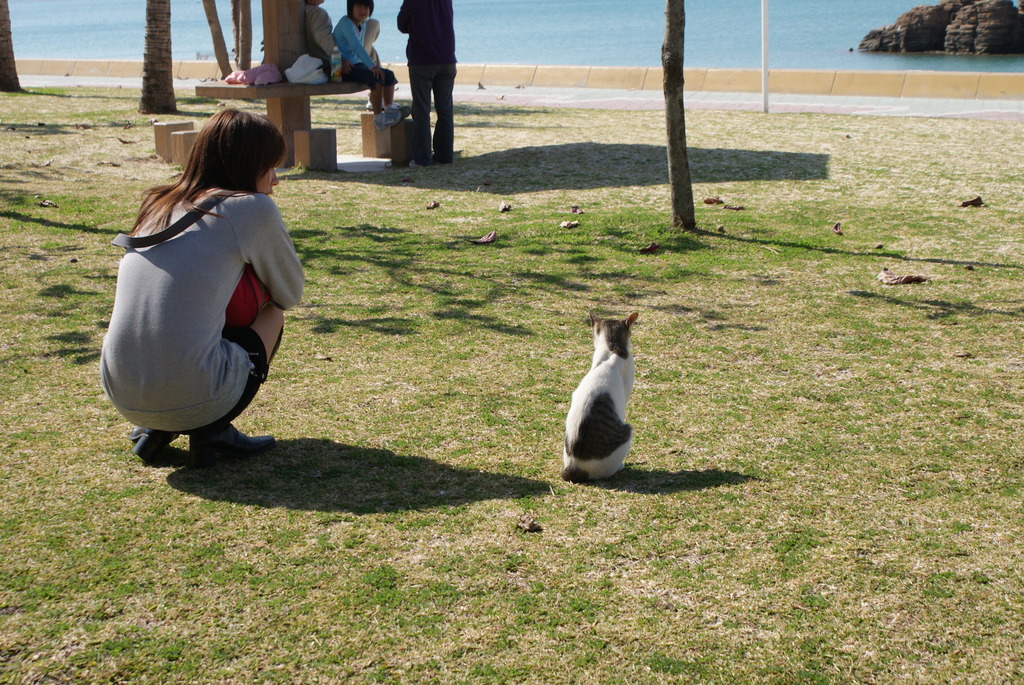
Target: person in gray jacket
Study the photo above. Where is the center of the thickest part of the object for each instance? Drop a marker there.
(168, 364)
(318, 27)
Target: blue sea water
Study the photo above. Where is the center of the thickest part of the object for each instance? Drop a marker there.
(803, 34)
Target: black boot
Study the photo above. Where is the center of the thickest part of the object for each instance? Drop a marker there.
(227, 442)
(149, 443)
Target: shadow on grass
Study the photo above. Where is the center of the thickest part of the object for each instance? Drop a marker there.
(875, 255)
(16, 201)
(321, 475)
(657, 482)
(583, 166)
(78, 347)
(937, 309)
(406, 261)
(50, 223)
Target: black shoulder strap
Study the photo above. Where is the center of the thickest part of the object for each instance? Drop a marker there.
(127, 241)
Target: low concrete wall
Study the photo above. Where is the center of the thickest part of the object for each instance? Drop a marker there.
(911, 84)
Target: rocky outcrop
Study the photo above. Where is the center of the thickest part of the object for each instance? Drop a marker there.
(921, 29)
(992, 27)
(953, 26)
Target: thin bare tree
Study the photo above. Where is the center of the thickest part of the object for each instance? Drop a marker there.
(9, 82)
(157, 65)
(241, 29)
(220, 49)
(675, 119)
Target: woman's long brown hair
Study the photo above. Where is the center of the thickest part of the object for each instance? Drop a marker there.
(232, 152)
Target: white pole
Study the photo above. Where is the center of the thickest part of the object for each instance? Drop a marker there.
(764, 56)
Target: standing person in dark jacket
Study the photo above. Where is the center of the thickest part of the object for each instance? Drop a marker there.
(431, 56)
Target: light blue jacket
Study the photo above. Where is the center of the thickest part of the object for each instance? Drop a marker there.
(349, 39)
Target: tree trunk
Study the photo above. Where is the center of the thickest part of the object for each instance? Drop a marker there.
(675, 119)
(220, 49)
(241, 30)
(8, 69)
(157, 65)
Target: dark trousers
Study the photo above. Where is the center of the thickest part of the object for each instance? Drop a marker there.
(437, 80)
(259, 367)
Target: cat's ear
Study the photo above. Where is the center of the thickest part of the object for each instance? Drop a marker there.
(631, 318)
(593, 319)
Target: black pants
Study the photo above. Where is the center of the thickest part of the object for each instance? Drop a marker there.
(435, 80)
(259, 367)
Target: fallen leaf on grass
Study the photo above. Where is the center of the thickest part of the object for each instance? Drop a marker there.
(976, 202)
(714, 200)
(576, 209)
(837, 228)
(527, 524)
(735, 208)
(569, 224)
(433, 204)
(487, 239)
(964, 355)
(504, 206)
(892, 278)
(653, 247)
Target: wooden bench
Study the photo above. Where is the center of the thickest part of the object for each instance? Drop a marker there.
(287, 103)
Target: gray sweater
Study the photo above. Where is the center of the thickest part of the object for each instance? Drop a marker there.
(164, 364)
(319, 36)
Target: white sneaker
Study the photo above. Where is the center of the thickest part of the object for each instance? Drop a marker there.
(387, 119)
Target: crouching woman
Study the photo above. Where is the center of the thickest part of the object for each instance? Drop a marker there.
(208, 269)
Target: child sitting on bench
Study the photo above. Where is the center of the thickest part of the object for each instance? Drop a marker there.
(358, 65)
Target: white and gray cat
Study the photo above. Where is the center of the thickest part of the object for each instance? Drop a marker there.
(597, 437)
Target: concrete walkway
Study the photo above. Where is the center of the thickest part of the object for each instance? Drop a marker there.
(601, 98)
(609, 98)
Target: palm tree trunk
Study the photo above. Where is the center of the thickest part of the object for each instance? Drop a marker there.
(8, 69)
(157, 65)
(220, 49)
(675, 119)
(241, 29)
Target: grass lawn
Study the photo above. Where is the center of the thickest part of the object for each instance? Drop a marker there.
(826, 476)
